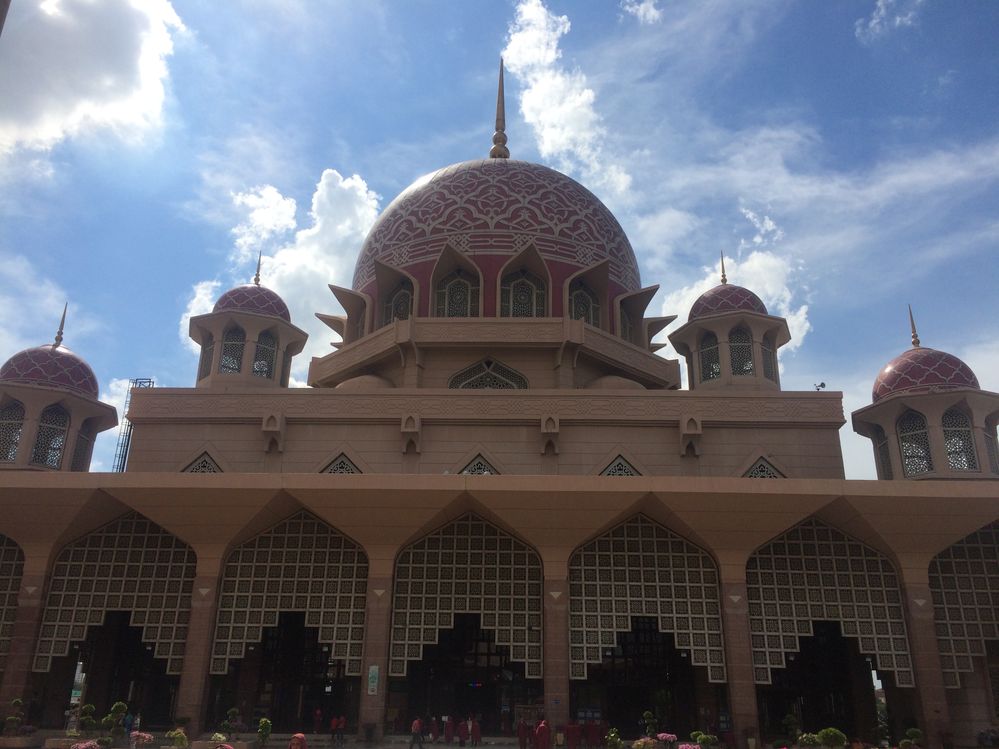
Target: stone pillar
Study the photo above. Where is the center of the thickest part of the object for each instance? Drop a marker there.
(191, 697)
(930, 692)
(739, 663)
(377, 640)
(556, 649)
(23, 638)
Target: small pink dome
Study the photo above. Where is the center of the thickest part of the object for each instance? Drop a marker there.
(253, 298)
(923, 370)
(51, 366)
(726, 297)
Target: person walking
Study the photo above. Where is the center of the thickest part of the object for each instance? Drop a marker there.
(476, 732)
(434, 730)
(523, 732)
(544, 735)
(416, 733)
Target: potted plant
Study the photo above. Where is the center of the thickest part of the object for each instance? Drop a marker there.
(668, 740)
(707, 740)
(178, 738)
(613, 740)
(263, 731)
(833, 738)
(16, 735)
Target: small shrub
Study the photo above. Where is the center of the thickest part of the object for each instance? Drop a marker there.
(695, 735)
(832, 738)
(707, 740)
(264, 731)
(905, 744)
(809, 739)
(613, 740)
(914, 735)
(646, 742)
(90, 744)
(219, 737)
(178, 738)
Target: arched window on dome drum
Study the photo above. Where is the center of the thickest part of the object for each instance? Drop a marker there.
(399, 305)
(882, 453)
(709, 361)
(522, 294)
(53, 425)
(583, 304)
(959, 441)
(11, 424)
(265, 355)
(231, 358)
(84, 447)
(207, 352)
(740, 350)
(769, 358)
(457, 295)
(914, 444)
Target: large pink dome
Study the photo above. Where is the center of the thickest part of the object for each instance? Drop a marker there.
(726, 297)
(51, 366)
(497, 207)
(253, 298)
(923, 370)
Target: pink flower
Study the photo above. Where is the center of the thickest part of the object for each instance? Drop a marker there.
(666, 738)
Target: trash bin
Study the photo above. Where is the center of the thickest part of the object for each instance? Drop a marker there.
(369, 733)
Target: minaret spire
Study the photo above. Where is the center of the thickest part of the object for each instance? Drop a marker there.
(62, 324)
(912, 326)
(256, 277)
(724, 277)
(499, 149)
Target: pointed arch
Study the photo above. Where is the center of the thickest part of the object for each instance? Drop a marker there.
(487, 374)
(300, 564)
(11, 570)
(740, 348)
(468, 566)
(265, 355)
(641, 568)
(524, 285)
(50, 442)
(816, 572)
(959, 440)
(11, 426)
(914, 444)
(231, 355)
(457, 285)
(708, 357)
(131, 564)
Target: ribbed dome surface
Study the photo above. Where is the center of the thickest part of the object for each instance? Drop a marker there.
(253, 298)
(726, 297)
(923, 370)
(51, 366)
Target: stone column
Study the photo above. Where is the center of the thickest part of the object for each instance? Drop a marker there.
(930, 692)
(739, 662)
(556, 649)
(377, 640)
(191, 697)
(23, 637)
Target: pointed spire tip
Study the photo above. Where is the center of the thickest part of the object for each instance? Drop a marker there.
(912, 327)
(724, 278)
(499, 149)
(62, 325)
(256, 277)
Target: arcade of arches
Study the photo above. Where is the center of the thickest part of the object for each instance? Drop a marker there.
(471, 625)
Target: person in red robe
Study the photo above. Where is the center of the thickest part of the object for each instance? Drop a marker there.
(543, 735)
(449, 729)
(523, 732)
(476, 732)
(462, 732)
(434, 730)
(573, 734)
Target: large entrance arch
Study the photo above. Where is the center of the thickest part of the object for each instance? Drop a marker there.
(814, 581)
(645, 630)
(11, 569)
(290, 625)
(116, 612)
(485, 586)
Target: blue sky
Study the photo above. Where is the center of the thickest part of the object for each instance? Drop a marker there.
(844, 156)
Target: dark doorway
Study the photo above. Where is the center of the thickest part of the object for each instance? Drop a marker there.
(285, 677)
(467, 674)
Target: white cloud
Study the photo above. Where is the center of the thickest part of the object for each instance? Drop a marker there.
(203, 296)
(646, 11)
(886, 16)
(269, 214)
(75, 66)
(767, 231)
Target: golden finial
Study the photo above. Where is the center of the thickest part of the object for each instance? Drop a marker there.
(256, 277)
(499, 149)
(912, 326)
(62, 324)
(724, 277)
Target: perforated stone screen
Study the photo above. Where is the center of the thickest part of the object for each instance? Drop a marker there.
(763, 469)
(204, 463)
(11, 569)
(964, 582)
(640, 568)
(301, 564)
(130, 564)
(814, 573)
(468, 567)
(620, 467)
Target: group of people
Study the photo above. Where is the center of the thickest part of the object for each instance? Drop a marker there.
(577, 735)
(338, 725)
(465, 731)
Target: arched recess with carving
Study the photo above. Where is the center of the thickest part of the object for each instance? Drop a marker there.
(302, 564)
(468, 566)
(11, 569)
(964, 582)
(133, 565)
(641, 568)
(815, 572)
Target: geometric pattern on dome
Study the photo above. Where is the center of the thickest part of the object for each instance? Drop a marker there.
(252, 298)
(640, 568)
(726, 298)
(131, 564)
(964, 583)
(469, 566)
(497, 207)
(52, 366)
(302, 564)
(815, 572)
(923, 370)
(11, 568)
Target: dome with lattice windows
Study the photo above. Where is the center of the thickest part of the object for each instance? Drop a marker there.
(725, 298)
(923, 370)
(253, 298)
(51, 366)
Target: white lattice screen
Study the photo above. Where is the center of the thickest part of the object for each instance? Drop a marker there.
(301, 564)
(640, 568)
(815, 572)
(468, 567)
(130, 564)
(964, 581)
(11, 568)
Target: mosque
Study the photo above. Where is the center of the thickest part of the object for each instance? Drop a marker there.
(496, 498)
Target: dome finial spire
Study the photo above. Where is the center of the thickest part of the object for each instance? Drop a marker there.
(256, 276)
(62, 324)
(724, 277)
(499, 149)
(912, 326)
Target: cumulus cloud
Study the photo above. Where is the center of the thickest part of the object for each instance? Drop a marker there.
(203, 296)
(268, 214)
(887, 16)
(83, 66)
(558, 103)
(646, 11)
